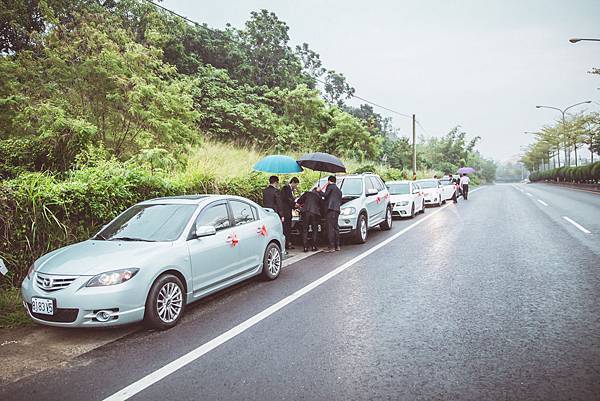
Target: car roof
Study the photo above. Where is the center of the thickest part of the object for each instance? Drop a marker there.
(399, 182)
(428, 179)
(191, 199)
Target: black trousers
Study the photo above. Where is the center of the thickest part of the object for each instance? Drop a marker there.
(287, 229)
(333, 229)
(310, 220)
(465, 190)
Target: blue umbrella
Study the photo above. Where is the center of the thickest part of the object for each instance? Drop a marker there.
(466, 170)
(278, 164)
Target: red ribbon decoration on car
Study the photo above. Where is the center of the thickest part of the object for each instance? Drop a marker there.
(378, 200)
(262, 231)
(233, 240)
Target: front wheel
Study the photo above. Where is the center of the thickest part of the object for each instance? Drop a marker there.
(387, 223)
(360, 233)
(422, 207)
(412, 211)
(271, 262)
(166, 303)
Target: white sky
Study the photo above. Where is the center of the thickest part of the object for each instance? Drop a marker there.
(481, 64)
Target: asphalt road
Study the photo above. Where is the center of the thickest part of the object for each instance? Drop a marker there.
(493, 298)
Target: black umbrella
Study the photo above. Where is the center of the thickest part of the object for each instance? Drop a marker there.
(322, 162)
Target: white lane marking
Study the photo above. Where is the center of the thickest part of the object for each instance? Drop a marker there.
(579, 226)
(191, 356)
(528, 194)
(542, 202)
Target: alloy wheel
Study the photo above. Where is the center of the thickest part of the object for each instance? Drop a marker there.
(363, 228)
(274, 261)
(169, 302)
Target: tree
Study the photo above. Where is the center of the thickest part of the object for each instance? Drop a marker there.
(91, 83)
(337, 88)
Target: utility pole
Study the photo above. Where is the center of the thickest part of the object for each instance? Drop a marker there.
(414, 155)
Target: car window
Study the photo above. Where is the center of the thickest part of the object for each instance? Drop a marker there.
(369, 184)
(429, 184)
(380, 183)
(242, 212)
(154, 222)
(399, 189)
(215, 216)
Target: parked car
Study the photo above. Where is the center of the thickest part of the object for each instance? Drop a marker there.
(154, 259)
(406, 198)
(448, 188)
(432, 191)
(365, 205)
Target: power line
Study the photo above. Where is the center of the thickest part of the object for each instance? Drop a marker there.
(317, 79)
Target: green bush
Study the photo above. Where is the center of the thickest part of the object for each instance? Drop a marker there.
(40, 212)
(589, 173)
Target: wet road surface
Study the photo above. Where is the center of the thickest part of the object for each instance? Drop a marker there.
(493, 298)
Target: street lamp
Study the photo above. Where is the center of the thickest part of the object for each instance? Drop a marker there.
(575, 40)
(563, 112)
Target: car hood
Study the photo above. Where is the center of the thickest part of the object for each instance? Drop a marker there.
(93, 257)
(399, 198)
(430, 191)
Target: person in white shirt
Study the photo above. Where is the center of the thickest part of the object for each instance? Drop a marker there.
(464, 184)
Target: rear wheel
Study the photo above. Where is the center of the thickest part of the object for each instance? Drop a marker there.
(361, 231)
(272, 262)
(387, 223)
(166, 303)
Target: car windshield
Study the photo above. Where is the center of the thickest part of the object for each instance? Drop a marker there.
(399, 189)
(428, 184)
(148, 223)
(351, 187)
(445, 182)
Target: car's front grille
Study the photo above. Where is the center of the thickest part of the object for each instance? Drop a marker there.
(61, 315)
(51, 283)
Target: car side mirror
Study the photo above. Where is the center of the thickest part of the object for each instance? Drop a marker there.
(415, 191)
(372, 191)
(205, 231)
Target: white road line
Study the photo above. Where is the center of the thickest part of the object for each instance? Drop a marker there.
(579, 226)
(542, 202)
(191, 356)
(528, 194)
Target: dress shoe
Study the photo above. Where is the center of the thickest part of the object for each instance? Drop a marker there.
(305, 249)
(314, 249)
(338, 248)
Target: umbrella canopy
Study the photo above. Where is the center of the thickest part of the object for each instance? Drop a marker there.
(322, 162)
(278, 164)
(466, 170)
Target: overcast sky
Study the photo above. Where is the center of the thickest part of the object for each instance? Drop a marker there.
(481, 64)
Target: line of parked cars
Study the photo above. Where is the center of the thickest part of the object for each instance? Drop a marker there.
(160, 255)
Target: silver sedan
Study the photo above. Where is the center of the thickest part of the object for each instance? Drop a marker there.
(153, 260)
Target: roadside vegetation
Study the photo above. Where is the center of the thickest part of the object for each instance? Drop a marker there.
(588, 174)
(102, 106)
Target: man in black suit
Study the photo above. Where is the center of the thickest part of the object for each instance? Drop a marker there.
(333, 201)
(311, 216)
(271, 195)
(288, 202)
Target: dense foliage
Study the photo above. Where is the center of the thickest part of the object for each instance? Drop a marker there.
(588, 174)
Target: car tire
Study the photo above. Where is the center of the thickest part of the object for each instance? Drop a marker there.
(272, 262)
(386, 225)
(361, 231)
(412, 211)
(422, 207)
(167, 291)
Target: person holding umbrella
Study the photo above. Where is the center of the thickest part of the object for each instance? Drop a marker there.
(464, 183)
(288, 202)
(333, 200)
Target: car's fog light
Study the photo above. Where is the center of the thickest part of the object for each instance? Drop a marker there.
(103, 316)
(347, 221)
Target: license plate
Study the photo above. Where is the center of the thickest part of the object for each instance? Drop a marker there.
(42, 306)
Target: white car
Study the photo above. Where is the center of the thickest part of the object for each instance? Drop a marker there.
(448, 188)
(432, 190)
(406, 198)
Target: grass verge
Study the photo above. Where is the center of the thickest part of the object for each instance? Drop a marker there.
(12, 313)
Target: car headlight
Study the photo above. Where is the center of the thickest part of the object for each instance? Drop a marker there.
(112, 278)
(31, 270)
(404, 203)
(348, 211)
